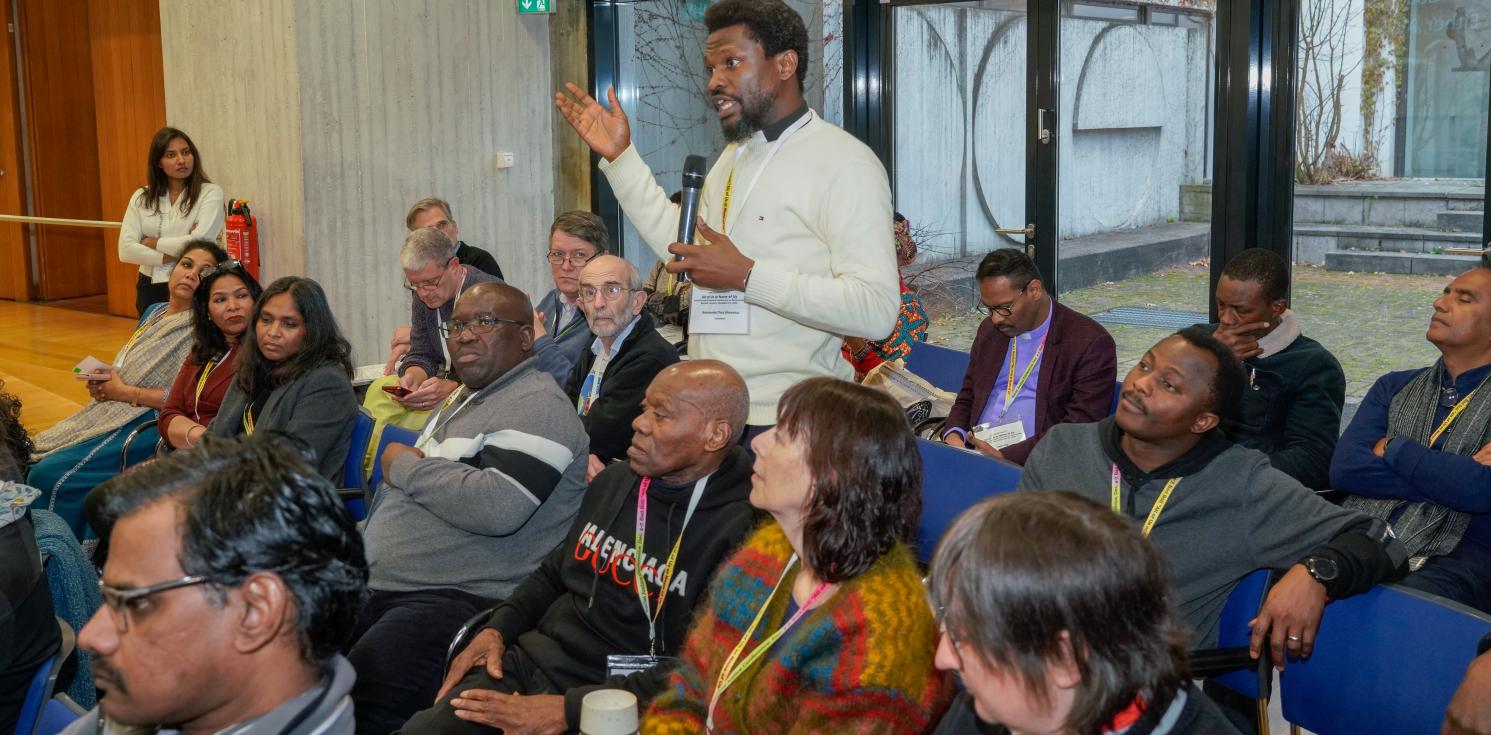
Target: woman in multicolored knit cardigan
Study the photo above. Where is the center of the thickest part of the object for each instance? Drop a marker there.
(819, 622)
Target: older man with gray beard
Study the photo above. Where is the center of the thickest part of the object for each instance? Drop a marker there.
(609, 380)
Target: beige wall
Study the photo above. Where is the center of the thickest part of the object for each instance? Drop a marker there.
(332, 116)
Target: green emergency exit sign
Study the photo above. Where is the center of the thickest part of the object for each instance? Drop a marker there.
(526, 7)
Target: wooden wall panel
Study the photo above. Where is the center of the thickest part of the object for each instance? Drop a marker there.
(63, 143)
(15, 269)
(130, 100)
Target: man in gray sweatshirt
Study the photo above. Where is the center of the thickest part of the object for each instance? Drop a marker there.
(468, 512)
(1217, 510)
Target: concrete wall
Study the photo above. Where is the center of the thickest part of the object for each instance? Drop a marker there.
(1132, 126)
(343, 112)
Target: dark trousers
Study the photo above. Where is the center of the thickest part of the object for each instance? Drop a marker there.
(147, 293)
(399, 652)
(519, 676)
(1464, 575)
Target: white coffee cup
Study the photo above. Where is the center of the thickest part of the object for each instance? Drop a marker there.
(608, 712)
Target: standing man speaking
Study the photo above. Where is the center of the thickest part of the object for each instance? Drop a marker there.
(795, 215)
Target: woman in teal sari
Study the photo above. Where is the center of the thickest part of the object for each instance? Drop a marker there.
(84, 449)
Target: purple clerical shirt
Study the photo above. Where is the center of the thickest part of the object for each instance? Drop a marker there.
(1022, 352)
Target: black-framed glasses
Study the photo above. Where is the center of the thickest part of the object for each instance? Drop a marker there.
(609, 290)
(427, 284)
(120, 602)
(231, 264)
(1006, 309)
(576, 258)
(479, 326)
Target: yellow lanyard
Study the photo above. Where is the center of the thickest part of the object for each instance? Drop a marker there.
(1159, 503)
(640, 580)
(248, 418)
(202, 383)
(1450, 419)
(139, 331)
(725, 206)
(1011, 388)
(731, 671)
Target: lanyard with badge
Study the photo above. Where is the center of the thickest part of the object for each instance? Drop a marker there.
(664, 575)
(133, 338)
(999, 434)
(1450, 419)
(726, 312)
(1154, 511)
(735, 666)
(435, 423)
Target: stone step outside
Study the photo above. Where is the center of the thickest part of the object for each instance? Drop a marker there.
(1313, 241)
(1468, 220)
(1402, 263)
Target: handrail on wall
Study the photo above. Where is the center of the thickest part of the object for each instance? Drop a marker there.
(100, 224)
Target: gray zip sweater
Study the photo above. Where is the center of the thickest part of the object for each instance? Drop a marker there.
(1232, 513)
(499, 484)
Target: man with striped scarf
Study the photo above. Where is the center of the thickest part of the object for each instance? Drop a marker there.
(1418, 452)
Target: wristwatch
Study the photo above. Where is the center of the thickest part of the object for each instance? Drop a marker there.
(1323, 569)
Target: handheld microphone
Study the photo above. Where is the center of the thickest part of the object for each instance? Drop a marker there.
(688, 204)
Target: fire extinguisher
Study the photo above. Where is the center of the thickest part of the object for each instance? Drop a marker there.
(241, 236)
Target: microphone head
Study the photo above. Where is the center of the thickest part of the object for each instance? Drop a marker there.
(693, 172)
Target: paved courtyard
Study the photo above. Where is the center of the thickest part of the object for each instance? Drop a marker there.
(1373, 323)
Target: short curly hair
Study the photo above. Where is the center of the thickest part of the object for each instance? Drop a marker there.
(770, 23)
(16, 453)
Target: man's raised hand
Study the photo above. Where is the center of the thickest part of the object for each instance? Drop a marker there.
(607, 132)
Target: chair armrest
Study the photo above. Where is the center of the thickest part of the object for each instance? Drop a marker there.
(1209, 662)
(463, 638)
(129, 439)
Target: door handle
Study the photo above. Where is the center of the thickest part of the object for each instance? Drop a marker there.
(1028, 231)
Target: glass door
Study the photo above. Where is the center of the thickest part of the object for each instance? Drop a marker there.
(1134, 179)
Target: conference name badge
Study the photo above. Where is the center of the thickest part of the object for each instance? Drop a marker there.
(626, 665)
(1000, 436)
(719, 312)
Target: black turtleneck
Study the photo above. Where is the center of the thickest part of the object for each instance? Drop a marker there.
(775, 130)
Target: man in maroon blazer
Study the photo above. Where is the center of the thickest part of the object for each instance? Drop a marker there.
(1034, 364)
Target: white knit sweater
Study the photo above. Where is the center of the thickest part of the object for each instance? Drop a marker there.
(817, 225)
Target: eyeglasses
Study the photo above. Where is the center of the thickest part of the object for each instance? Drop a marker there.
(610, 290)
(223, 267)
(479, 326)
(121, 601)
(576, 258)
(1006, 309)
(427, 285)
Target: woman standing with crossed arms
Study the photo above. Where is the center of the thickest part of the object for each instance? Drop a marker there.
(178, 204)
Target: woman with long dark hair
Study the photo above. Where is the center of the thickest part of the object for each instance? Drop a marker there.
(84, 449)
(221, 309)
(814, 624)
(293, 375)
(178, 204)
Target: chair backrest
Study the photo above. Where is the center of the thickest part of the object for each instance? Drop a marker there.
(44, 681)
(1387, 661)
(357, 450)
(943, 367)
(74, 586)
(953, 480)
(58, 713)
(391, 435)
(1117, 393)
(1255, 681)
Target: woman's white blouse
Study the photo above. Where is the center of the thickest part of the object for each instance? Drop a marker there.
(172, 227)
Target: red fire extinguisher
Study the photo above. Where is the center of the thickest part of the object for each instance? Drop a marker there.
(241, 236)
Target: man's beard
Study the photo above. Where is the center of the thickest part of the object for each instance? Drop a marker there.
(753, 112)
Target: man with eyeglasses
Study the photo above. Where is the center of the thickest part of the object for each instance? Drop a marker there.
(1034, 364)
(608, 383)
(434, 278)
(233, 580)
(469, 510)
(560, 329)
(1418, 450)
